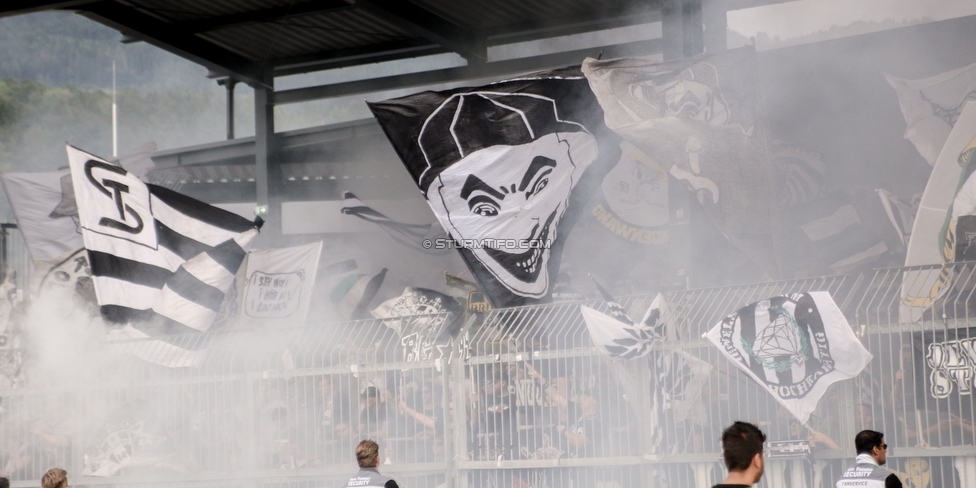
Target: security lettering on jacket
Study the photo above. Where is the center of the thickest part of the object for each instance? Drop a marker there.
(370, 478)
(868, 474)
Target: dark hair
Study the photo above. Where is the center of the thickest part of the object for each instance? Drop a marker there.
(366, 453)
(4, 483)
(740, 443)
(370, 391)
(866, 440)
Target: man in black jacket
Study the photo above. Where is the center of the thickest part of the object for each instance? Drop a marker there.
(368, 457)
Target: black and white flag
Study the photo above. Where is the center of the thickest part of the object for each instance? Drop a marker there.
(616, 335)
(425, 320)
(794, 346)
(506, 169)
(411, 235)
(161, 262)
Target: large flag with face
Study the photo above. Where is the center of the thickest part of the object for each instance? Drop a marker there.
(161, 262)
(949, 194)
(700, 119)
(794, 346)
(506, 169)
(278, 285)
(932, 107)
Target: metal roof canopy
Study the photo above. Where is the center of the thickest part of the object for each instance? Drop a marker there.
(254, 41)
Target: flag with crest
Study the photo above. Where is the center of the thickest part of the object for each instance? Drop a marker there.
(794, 346)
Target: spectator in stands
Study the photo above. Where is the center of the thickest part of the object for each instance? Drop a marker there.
(181, 456)
(222, 432)
(55, 478)
(495, 416)
(15, 456)
(582, 430)
(742, 451)
(287, 449)
(332, 413)
(429, 417)
(374, 421)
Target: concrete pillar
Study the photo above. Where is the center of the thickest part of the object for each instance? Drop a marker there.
(715, 34)
(267, 167)
(681, 28)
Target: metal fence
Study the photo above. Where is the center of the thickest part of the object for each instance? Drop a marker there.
(521, 398)
(14, 256)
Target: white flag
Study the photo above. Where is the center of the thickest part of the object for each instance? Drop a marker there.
(932, 106)
(161, 262)
(794, 346)
(278, 286)
(928, 242)
(37, 200)
(619, 337)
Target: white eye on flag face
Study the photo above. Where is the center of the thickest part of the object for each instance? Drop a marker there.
(514, 195)
(115, 204)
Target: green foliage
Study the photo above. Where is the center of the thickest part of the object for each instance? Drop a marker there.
(36, 120)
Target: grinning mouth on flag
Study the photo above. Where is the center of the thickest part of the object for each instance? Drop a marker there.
(527, 265)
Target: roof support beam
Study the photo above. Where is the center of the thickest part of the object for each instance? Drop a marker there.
(470, 72)
(263, 15)
(715, 20)
(267, 166)
(161, 34)
(428, 25)
(18, 7)
(577, 24)
(341, 58)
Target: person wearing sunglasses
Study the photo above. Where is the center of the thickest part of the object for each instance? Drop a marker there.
(872, 453)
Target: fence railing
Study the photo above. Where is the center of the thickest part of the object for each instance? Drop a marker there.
(521, 397)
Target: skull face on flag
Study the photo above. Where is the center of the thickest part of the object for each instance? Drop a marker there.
(500, 167)
(514, 194)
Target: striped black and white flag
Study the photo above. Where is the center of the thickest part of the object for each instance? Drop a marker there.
(794, 346)
(161, 262)
(410, 235)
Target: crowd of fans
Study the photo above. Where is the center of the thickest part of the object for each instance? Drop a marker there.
(545, 405)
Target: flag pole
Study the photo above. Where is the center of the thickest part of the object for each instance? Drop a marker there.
(115, 118)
